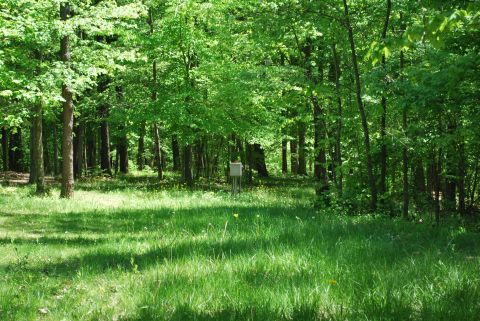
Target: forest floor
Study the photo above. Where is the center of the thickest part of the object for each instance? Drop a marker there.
(128, 249)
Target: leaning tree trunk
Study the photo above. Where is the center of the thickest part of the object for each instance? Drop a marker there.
(67, 95)
(38, 149)
(363, 116)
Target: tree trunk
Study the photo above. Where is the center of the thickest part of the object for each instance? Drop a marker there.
(5, 149)
(320, 168)
(91, 147)
(259, 160)
(80, 150)
(302, 162)
(55, 150)
(176, 154)
(157, 150)
(284, 156)
(383, 121)
(141, 148)
(67, 95)
(187, 165)
(358, 89)
(105, 162)
(338, 138)
(32, 177)
(461, 178)
(38, 149)
(15, 156)
(437, 169)
(293, 156)
(406, 196)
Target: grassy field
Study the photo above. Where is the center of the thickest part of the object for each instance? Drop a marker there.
(164, 253)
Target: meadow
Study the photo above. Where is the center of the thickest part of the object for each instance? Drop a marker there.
(130, 249)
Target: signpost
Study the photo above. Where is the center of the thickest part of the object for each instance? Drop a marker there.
(236, 175)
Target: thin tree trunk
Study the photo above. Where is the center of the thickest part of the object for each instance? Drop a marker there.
(32, 177)
(302, 162)
(176, 154)
(55, 150)
(358, 88)
(38, 149)
(284, 156)
(157, 149)
(461, 178)
(406, 196)
(141, 148)
(383, 122)
(105, 162)
(293, 156)
(67, 95)
(187, 165)
(338, 138)
(5, 149)
(80, 150)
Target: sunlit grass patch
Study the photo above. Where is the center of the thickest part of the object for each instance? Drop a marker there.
(174, 254)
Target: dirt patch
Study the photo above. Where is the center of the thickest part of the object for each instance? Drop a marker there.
(14, 178)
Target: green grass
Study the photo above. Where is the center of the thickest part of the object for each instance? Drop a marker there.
(130, 250)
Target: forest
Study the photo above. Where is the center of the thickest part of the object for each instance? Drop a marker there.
(357, 123)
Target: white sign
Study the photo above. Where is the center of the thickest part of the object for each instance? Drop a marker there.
(236, 169)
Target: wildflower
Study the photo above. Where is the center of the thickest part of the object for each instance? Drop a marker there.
(258, 215)
(332, 282)
(236, 215)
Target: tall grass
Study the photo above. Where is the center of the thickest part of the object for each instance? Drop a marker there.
(132, 250)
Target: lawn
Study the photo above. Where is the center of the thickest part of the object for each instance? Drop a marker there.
(132, 250)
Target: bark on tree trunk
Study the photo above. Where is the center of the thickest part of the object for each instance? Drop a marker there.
(187, 165)
(91, 148)
(141, 148)
(32, 177)
(80, 150)
(406, 196)
(320, 169)
(284, 156)
(157, 149)
(358, 89)
(293, 157)
(461, 178)
(67, 95)
(105, 163)
(55, 150)
(15, 156)
(5, 149)
(302, 162)
(176, 154)
(338, 138)
(38, 149)
(259, 160)
(383, 122)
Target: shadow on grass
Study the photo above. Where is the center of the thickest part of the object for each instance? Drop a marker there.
(261, 313)
(373, 242)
